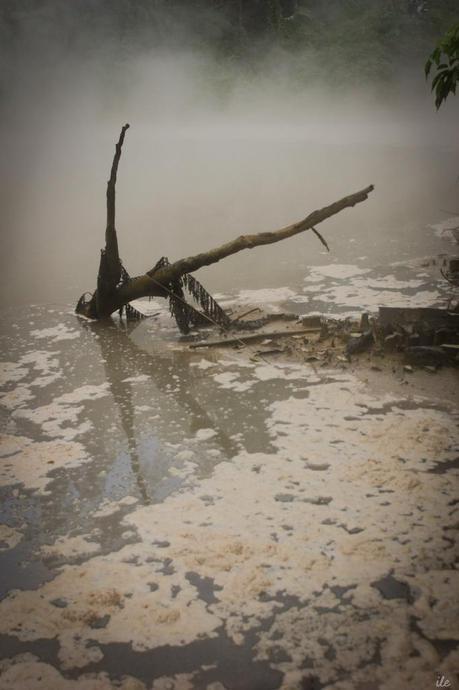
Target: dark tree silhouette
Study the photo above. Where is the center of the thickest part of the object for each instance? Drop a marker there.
(115, 288)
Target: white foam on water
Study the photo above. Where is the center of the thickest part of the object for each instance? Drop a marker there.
(10, 372)
(27, 462)
(57, 333)
(274, 525)
(9, 537)
(230, 381)
(205, 434)
(59, 419)
(70, 547)
(203, 364)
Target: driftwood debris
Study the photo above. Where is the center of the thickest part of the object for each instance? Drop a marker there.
(242, 339)
(425, 336)
(116, 288)
(247, 313)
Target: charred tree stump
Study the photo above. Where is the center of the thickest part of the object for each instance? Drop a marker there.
(116, 289)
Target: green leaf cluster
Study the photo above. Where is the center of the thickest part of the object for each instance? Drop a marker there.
(445, 61)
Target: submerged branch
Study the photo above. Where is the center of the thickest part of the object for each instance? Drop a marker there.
(115, 288)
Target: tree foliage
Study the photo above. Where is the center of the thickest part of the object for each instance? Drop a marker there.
(445, 61)
(339, 41)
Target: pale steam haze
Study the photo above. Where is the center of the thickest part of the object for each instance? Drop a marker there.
(214, 150)
(249, 485)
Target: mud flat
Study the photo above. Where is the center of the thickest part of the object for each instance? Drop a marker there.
(220, 518)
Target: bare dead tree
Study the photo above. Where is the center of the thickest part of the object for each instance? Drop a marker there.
(116, 289)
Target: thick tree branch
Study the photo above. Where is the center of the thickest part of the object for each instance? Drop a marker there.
(112, 293)
(109, 273)
(193, 263)
(113, 266)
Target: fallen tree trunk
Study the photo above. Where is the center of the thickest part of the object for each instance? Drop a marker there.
(115, 288)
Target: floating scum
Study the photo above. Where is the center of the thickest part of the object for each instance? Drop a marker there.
(297, 570)
(116, 289)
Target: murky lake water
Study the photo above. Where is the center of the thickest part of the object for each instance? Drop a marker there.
(186, 520)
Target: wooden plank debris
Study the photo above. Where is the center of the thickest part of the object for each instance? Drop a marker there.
(253, 337)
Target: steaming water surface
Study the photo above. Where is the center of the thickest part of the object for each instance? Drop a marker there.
(182, 190)
(184, 520)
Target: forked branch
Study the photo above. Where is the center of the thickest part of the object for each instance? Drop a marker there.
(114, 287)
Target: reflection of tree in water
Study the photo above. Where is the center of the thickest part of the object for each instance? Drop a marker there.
(123, 360)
